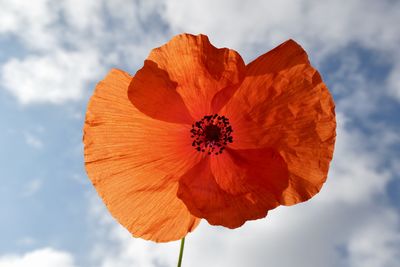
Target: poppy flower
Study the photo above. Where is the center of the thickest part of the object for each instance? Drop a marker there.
(197, 134)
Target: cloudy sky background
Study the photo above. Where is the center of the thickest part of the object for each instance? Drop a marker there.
(52, 53)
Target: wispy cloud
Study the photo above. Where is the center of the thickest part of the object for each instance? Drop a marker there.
(26, 241)
(394, 81)
(33, 140)
(31, 188)
(377, 242)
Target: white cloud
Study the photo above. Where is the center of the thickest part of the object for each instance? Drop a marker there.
(322, 25)
(31, 188)
(115, 247)
(79, 178)
(353, 167)
(69, 45)
(394, 81)
(83, 16)
(376, 243)
(33, 141)
(26, 241)
(55, 77)
(45, 257)
(133, 252)
(32, 22)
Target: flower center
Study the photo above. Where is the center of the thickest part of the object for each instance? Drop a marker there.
(211, 134)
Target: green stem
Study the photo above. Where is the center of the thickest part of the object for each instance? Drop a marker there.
(181, 252)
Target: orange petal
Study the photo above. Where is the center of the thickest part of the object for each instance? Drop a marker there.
(134, 162)
(235, 186)
(153, 93)
(190, 70)
(285, 105)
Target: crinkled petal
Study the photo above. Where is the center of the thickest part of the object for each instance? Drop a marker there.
(285, 105)
(189, 72)
(235, 186)
(153, 93)
(134, 162)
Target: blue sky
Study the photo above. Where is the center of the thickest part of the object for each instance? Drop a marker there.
(52, 53)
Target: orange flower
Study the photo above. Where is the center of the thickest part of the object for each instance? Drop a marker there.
(196, 134)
